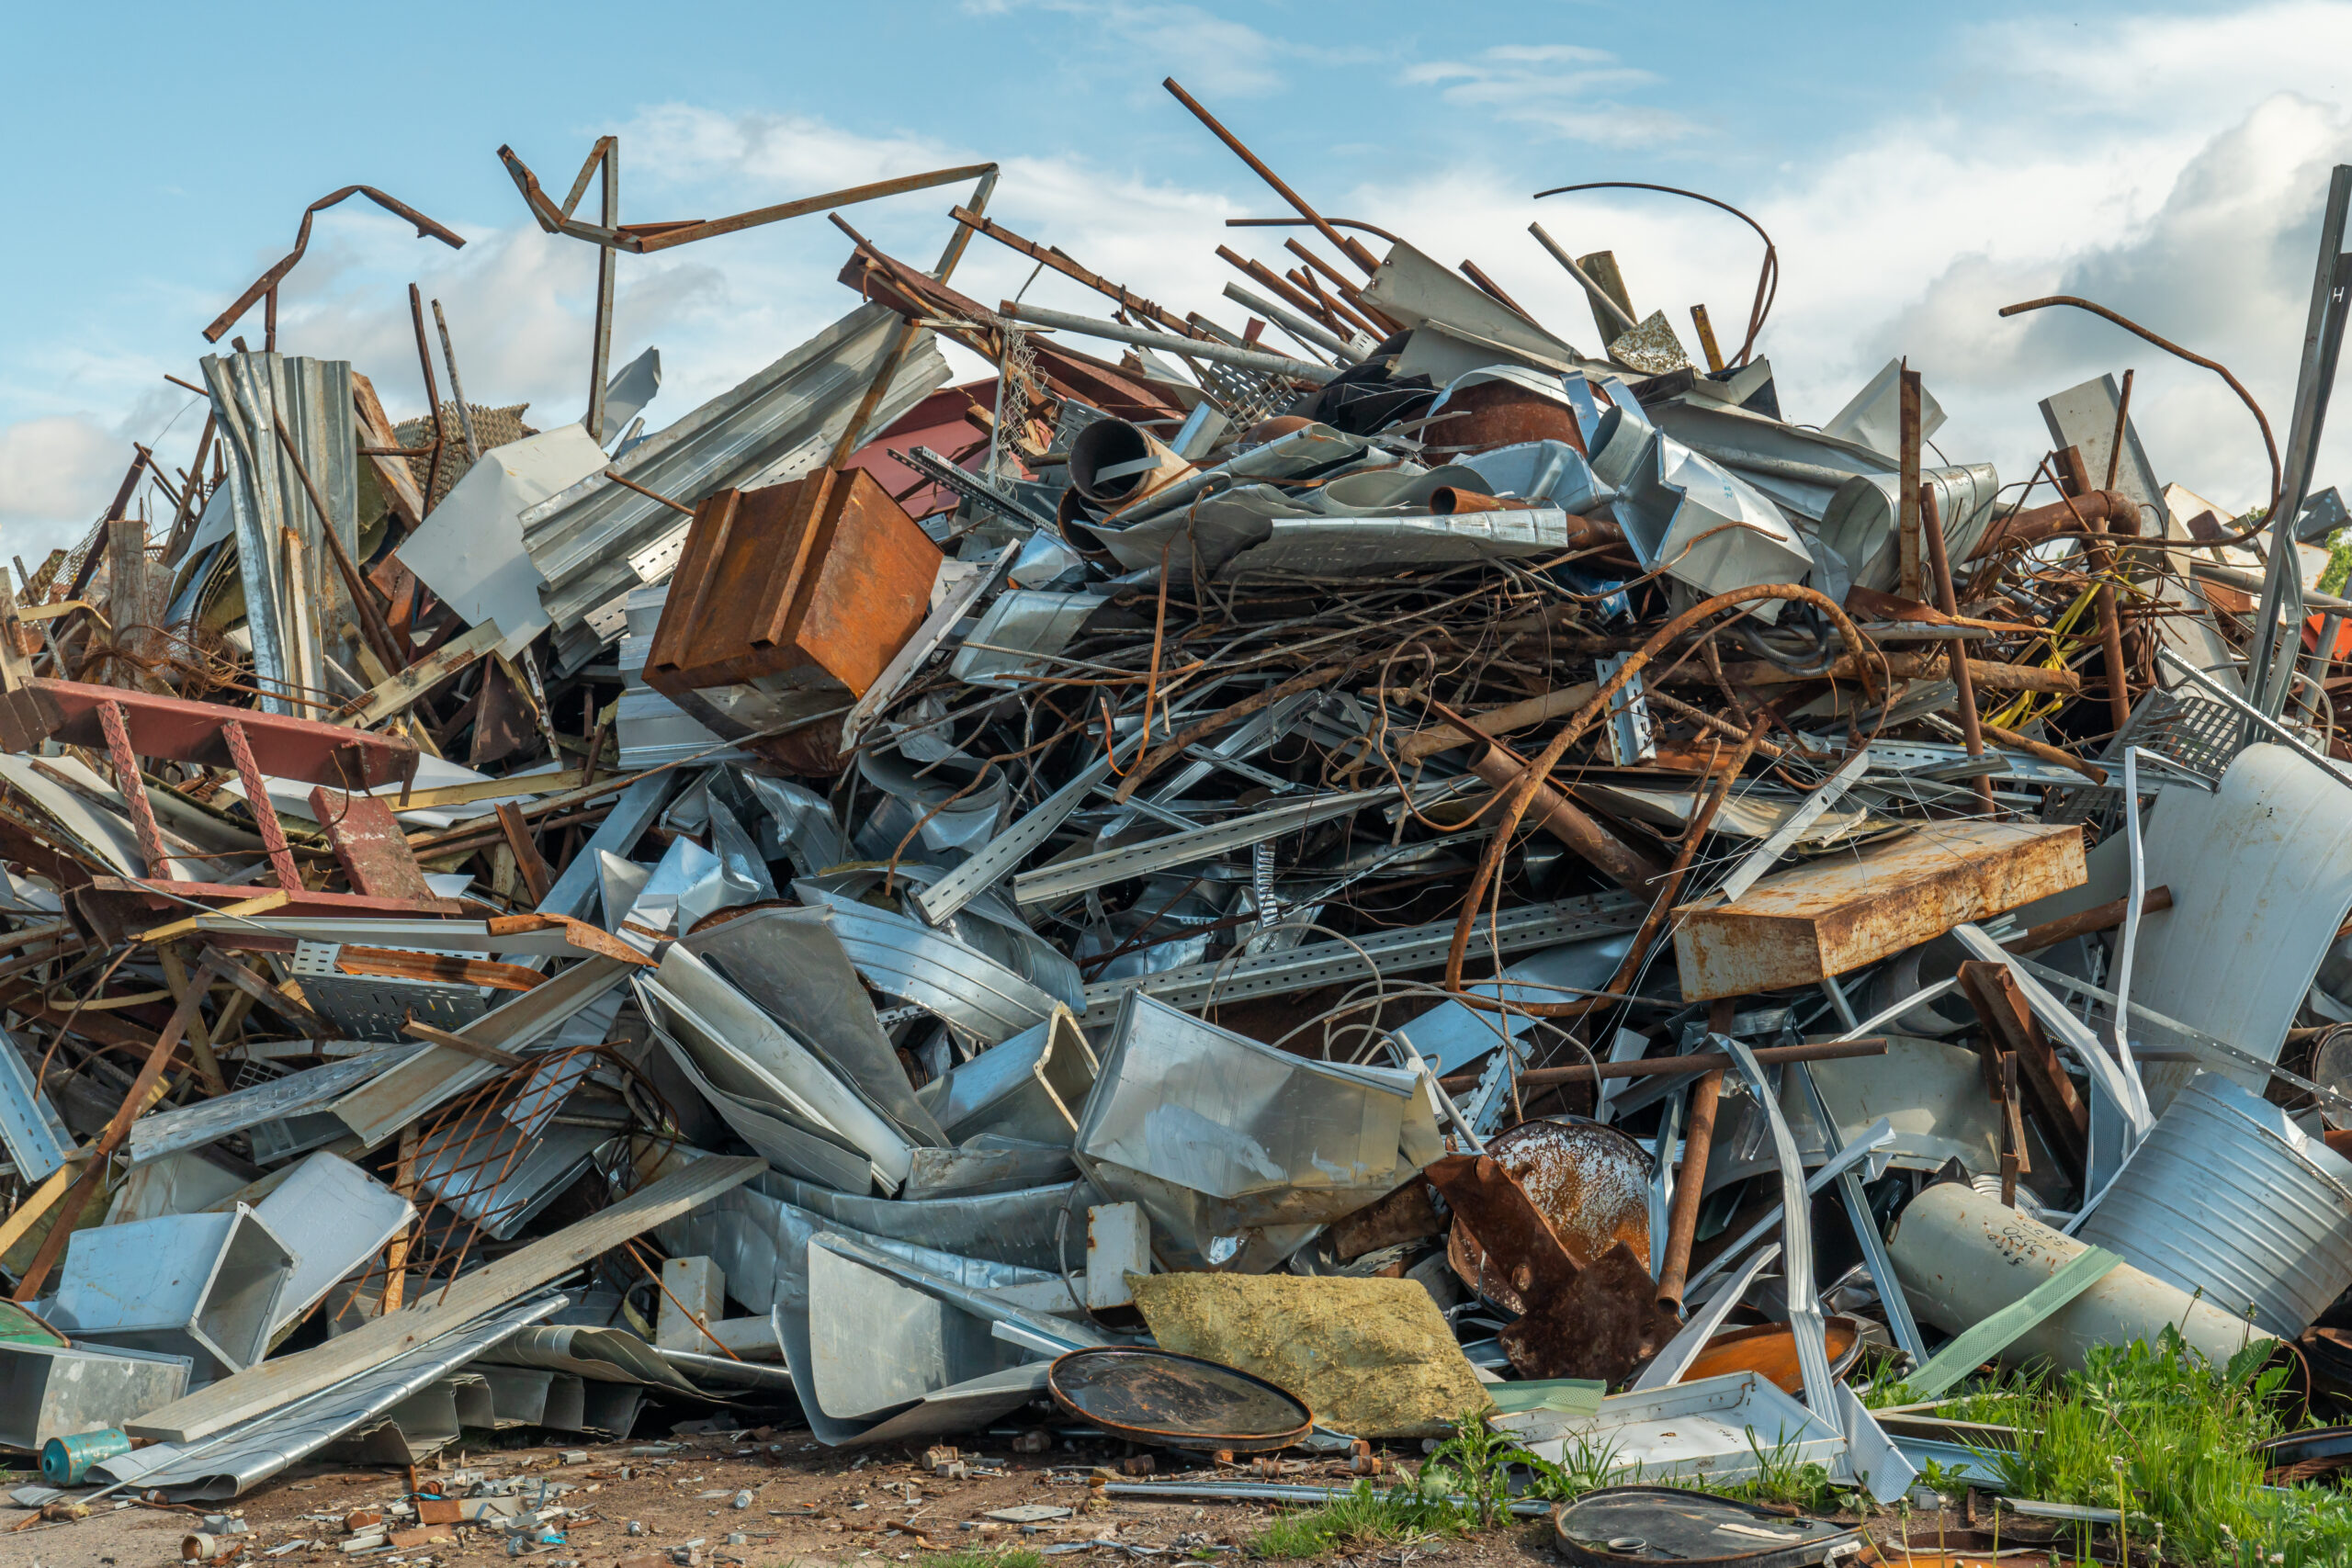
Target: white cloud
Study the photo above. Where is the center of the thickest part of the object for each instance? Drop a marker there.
(1566, 90)
(1209, 53)
(2181, 197)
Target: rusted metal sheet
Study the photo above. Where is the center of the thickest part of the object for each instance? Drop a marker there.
(1600, 1320)
(1590, 1183)
(1837, 915)
(369, 841)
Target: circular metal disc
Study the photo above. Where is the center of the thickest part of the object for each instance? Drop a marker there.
(1178, 1401)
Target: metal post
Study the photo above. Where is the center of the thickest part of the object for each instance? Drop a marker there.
(2282, 591)
(457, 387)
(606, 260)
(1907, 514)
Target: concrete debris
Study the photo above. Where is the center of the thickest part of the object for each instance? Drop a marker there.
(1424, 868)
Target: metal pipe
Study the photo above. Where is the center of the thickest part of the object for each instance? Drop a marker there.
(457, 387)
(432, 397)
(1299, 326)
(600, 355)
(1698, 1141)
(1578, 273)
(2031, 527)
(1170, 343)
(1350, 248)
(1612, 856)
(1931, 532)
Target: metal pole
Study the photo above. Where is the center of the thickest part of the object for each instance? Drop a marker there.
(457, 387)
(2282, 594)
(601, 356)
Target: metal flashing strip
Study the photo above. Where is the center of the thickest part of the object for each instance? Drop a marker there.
(254, 1450)
(1052, 883)
(1415, 947)
(941, 900)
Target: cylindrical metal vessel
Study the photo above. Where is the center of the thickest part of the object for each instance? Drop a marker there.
(1962, 1256)
(65, 1461)
(2227, 1196)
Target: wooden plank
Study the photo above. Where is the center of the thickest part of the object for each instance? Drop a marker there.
(259, 1390)
(538, 875)
(423, 675)
(370, 843)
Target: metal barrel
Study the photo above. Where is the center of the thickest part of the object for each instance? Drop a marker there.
(2228, 1198)
(65, 1461)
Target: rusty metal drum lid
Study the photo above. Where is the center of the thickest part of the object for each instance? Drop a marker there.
(1179, 1402)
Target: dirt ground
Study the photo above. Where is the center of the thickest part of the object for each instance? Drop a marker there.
(808, 1504)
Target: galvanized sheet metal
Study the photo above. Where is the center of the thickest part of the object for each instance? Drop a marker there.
(2227, 1198)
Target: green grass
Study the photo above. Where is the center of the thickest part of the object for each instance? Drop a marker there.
(2168, 1437)
(1364, 1518)
(1009, 1558)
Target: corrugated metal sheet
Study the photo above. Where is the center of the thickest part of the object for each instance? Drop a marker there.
(252, 1451)
(775, 426)
(251, 392)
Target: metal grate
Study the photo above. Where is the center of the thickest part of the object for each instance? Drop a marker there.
(2196, 735)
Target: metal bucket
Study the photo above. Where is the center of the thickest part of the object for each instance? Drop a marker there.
(2228, 1197)
(65, 1461)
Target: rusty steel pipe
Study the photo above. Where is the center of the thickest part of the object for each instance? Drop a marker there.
(1690, 1182)
(1607, 853)
(2032, 526)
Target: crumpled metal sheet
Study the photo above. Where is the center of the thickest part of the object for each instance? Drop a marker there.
(1233, 1146)
(906, 958)
(749, 1055)
(792, 964)
(1004, 1227)
(229, 1462)
(603, 1355)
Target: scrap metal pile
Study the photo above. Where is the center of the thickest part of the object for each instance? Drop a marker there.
(1418, 856)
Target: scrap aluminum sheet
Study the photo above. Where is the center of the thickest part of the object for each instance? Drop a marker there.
(759, 1242)
(885, 1334)
(1219, 1135)
(1003, 1227)
(36, 1140)
(784, 1139)
(335, 1218)
(777, 426)
(600, 1355)
(492, 1174)
(168, 1132)
(933, 970)
(1014, 644)
(2261, 873)
(791, 964)
(251, 393)
(229, 1462)
(749, 1054)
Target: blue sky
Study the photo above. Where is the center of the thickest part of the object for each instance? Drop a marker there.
(1920, 166)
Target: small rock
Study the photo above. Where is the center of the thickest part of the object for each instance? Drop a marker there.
(736, 1537)
(636, 1526)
